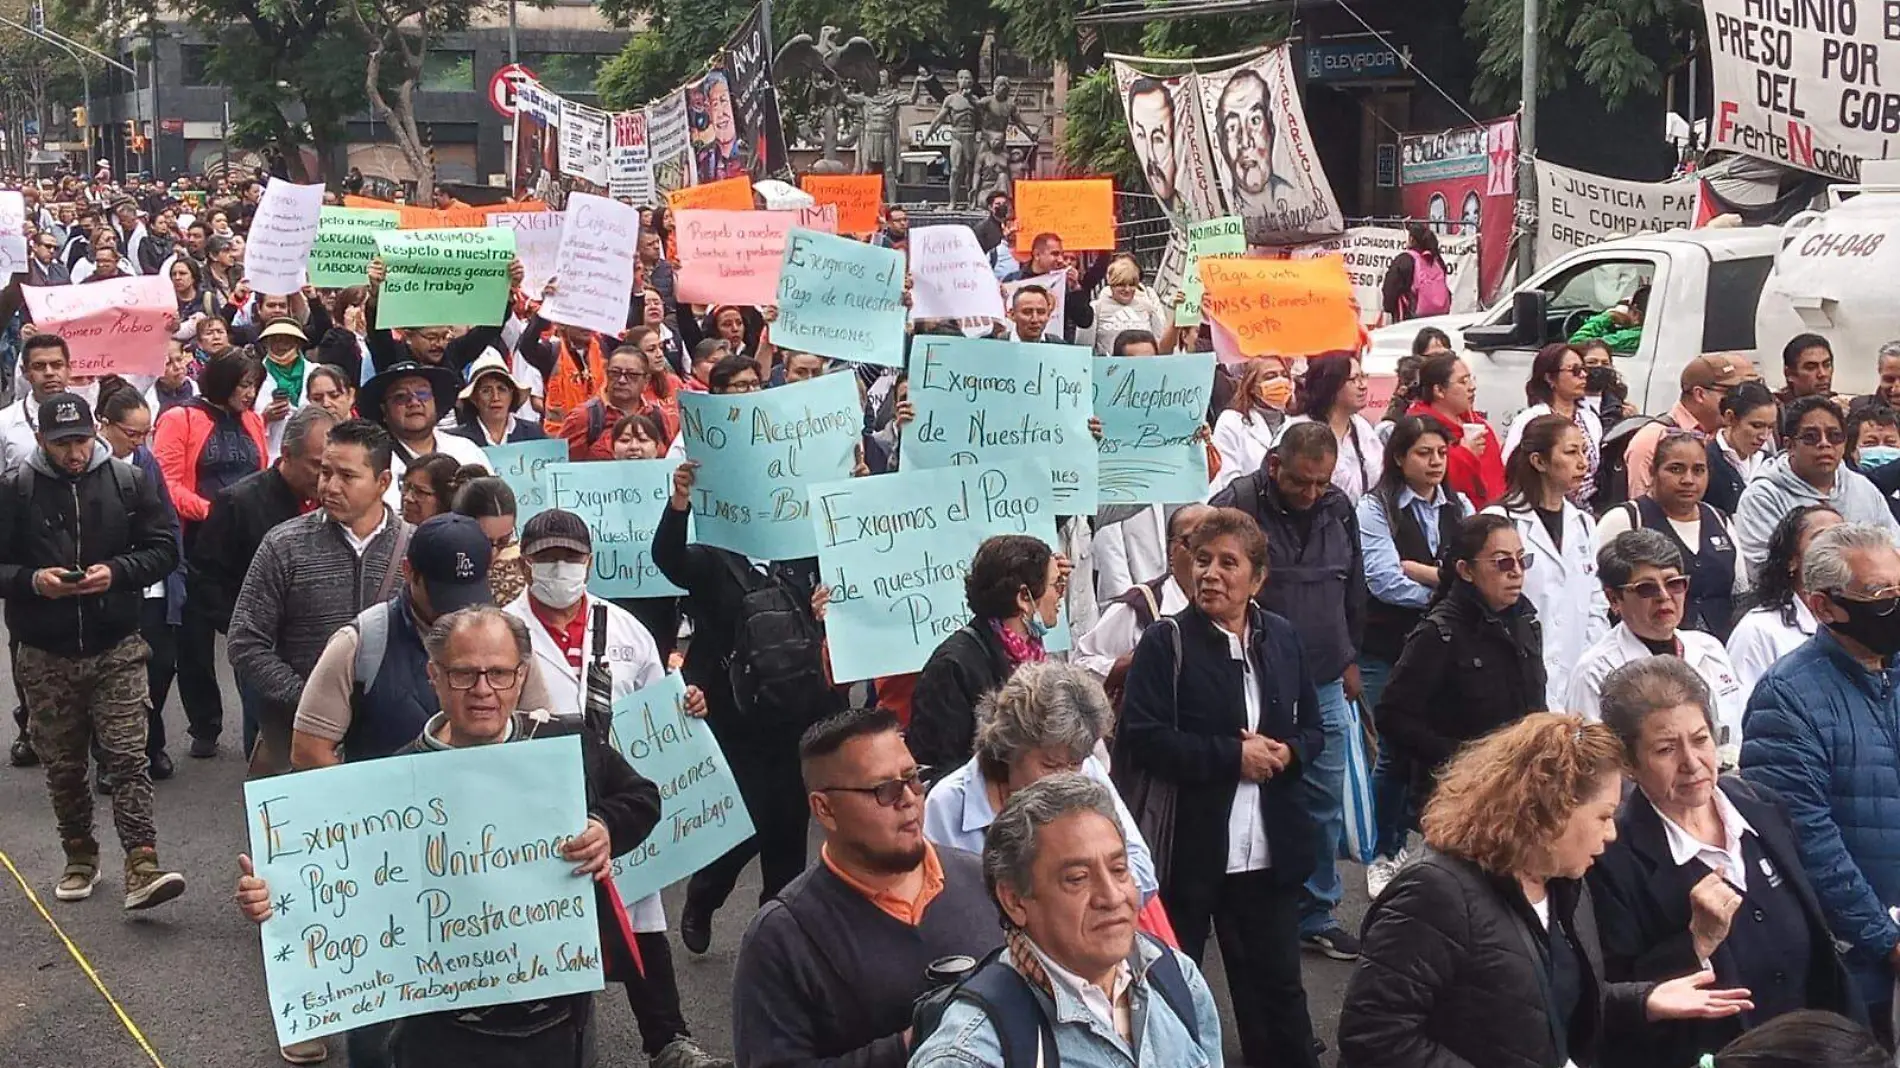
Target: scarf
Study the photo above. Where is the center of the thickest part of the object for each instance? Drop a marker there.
(287, 378)
(1023, 955)
(1019, 648)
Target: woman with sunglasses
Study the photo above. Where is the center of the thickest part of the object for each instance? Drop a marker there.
(1810, 472)
(1474, 663)
(1547, 467)
(1674, 507)
(1558, 386)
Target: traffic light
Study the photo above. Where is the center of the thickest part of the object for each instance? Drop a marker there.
(131, 129)
(79, 118)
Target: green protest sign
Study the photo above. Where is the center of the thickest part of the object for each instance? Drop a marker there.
(1224, 236)
(444, 277)
(346, 242)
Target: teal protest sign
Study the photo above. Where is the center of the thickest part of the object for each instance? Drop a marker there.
(1152, 408)
(444, 277)
(1225, 236)
(841, 298)
(758, 451)
(621, 501)
(701, 813)
(982, 401)
(523, 465)
(895, 549)
(346, 242)
(418, 883)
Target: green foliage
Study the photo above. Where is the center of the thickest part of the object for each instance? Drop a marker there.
(680, 36)
(1095, 138)
(1620, 48)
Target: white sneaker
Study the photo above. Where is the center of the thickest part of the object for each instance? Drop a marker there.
(1380, 872)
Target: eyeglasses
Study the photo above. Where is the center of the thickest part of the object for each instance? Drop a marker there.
(623, 375)
(1511, 565)
(498, 678)
(1653, 589)
(413, 490)
(888, 793)
(1813, 436)
(412, 396)
(136, 437)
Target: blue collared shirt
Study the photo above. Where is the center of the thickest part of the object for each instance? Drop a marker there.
(1385, 579)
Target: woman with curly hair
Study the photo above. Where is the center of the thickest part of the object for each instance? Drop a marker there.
(1484, 951)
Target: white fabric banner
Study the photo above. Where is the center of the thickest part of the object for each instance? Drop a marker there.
(629, 167)
(282, 232)
(1369, 250)
(584, 142)
(594, 269)
(1799, 83)
(669, 146)
(1576, 208)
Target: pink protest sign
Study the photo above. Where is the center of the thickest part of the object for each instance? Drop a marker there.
(114, 327)
(731, 257)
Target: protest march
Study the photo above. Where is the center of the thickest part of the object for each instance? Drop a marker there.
(1046, 576)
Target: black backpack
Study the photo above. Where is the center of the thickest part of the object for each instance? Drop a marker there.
(778, 661)
(1014, 1010)
(1613, 476)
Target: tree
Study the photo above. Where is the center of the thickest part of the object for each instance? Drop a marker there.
(1620, 48)
(397, 34)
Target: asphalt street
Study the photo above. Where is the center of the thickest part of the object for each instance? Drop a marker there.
(185, 980)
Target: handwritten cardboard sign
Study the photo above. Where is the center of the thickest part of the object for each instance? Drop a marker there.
(522, 465)
(841, 298)
(1282, 307)
(413, 884)
(12, 233)
(702, 815)
(621, 500)
(758, 451)
(1081, 211)
(111, 327)
(859, 197)
(982, 401)
(537, 243)
(346, 242)
(1152, 408)
(730, 257)
(594, 270)
(444, 277)
(727, 194)
(1225, 236)
(282, 232)
(950, 276)
(414, 218)
(895, 550)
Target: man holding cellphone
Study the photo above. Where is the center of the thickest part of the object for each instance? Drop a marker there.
(81, 537)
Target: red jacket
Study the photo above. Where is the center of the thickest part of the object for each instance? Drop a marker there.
(1479, 478)
(177, 442)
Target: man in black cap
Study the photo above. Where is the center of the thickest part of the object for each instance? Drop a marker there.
(73, 601)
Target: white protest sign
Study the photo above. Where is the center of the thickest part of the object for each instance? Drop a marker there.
(282, 232)
(1576, 208)
(594, 269)
(950, 276)
(12, 233)
(1799, 83)
(629, 166)
(584, 142)
(537, 242)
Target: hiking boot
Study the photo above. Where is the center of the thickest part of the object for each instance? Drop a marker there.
(82, 870)
(683, 1052)
(309, 1051)
(145, 884)
(21, 755)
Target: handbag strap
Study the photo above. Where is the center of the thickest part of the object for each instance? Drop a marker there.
(388, 584)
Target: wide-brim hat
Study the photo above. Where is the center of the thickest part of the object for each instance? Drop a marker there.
(443, 382)
(490, 362)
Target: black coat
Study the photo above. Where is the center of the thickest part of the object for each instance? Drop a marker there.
(964, 667)
(1183, 725)
(1464, 672)
(1450, 975)
(1642, 899)
(219, 551)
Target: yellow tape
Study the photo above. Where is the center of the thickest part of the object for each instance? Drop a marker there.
(84, 966)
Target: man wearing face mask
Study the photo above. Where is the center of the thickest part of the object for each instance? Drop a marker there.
(1818, 731)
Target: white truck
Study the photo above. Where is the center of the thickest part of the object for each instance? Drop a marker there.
(1747, 290)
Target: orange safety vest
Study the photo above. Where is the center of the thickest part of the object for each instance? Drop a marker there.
(570, 386)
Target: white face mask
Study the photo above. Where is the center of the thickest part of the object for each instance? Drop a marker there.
(558, 585)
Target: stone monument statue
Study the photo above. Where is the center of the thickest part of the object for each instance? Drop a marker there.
(959, 109)
(997, 114)
(820, 75)
(880, 139)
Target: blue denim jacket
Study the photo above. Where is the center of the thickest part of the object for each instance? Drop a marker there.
(965, 1038)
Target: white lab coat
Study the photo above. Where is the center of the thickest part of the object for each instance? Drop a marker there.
(1703, 652)
(1243, 442)
(1564, 588)
(1130, 552)
(635, 661)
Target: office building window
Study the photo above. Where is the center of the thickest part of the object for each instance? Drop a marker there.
(448, 72)
(565, 72)
(192, 60)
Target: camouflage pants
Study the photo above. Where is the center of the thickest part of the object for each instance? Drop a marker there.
(69, 702)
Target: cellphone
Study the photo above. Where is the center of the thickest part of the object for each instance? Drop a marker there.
(71, 577)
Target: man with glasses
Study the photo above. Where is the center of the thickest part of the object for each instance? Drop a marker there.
(1642, 575)
(477, 663)
(408, 401)
(829, 969)
(1810, 472)
(1699, 408)
(589, 428)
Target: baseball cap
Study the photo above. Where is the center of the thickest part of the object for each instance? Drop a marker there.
(1713, 371)
(556, 529)
(449, 553)
(64, 416)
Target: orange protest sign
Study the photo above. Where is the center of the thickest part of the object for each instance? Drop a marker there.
(1081, 211)
(1281, 307)
(860, 198)
(443, 219)
(350, 200)
(727, 194)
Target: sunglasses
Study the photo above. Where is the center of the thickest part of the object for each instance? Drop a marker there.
(888, 793)
(1814, 436)
(412, 396)
(1511, 565)
(1653, 589)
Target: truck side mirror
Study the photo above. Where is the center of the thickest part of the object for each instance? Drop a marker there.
(1530, 314)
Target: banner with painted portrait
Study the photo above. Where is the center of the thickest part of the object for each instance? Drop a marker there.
(1164, 122)
(669, 146)
(537, 148)
(732, 111)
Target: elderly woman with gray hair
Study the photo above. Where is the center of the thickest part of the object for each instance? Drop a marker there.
(1704, 872)
(1046, 719)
